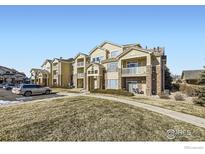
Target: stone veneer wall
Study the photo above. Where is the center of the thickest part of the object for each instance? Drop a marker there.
(98, 82)
(85, 81)
(149, 80)
(119, 79)
(105, 78)
(159, 79)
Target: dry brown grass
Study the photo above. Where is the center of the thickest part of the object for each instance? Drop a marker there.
(88, 119)
(65, 90)
(180, 106)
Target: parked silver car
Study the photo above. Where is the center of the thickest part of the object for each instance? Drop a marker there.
(30, 89)
(9, 86)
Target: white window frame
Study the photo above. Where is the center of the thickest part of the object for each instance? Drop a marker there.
(114, 51)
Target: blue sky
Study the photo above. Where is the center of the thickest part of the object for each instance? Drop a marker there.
(30, 34)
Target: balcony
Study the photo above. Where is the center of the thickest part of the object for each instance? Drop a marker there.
(80, 75)
(134, 71)
(80, 64)
(55, 76)
(55, 67)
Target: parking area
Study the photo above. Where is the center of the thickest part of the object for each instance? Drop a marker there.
(7, 95)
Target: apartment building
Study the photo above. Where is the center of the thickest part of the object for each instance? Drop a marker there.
(80, 64)
(129, 67)
(62, 72)
(53, 73)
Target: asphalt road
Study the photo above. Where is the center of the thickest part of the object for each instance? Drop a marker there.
(7, 95)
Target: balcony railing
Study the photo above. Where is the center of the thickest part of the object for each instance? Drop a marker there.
(55, 76)
(134, 71)
(55, 67)
(80, 64)
(81, 75)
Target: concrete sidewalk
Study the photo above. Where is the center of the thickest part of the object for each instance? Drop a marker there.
(173, 114)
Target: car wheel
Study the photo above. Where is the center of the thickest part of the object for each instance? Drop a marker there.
(28, 93)
(47, 92)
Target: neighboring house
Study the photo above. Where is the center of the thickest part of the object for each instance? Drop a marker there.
(190, 76)
(62, 72)
(112, 66)
(8, 75)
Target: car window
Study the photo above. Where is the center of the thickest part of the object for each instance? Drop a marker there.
(38, 86)
(29, 86)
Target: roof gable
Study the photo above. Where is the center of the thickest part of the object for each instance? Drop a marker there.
(92, 51)
(133, 49)
(80, 54)
(46, 61)
(96, 64)
(107, 42)
(101, 46)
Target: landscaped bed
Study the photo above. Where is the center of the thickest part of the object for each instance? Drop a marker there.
(113, 92)
(88, 119)
(65, 90)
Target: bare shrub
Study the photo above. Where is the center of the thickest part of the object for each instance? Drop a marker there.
(179, 97)
(189, 90)
(164, 96)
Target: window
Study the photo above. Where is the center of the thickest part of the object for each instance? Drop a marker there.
(38, 86)
(132, 64)
(97, 59)
(112, 67)
(54, 72)
(93, 60)
(112, 84)
(55, 64)
(114, 54)
(96, 71)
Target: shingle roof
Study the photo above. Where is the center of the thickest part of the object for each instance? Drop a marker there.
(7, 71)
(80, 53)
(47, 60)
(65, 60)
(35, 69)
(39, 70)
(191, 74)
